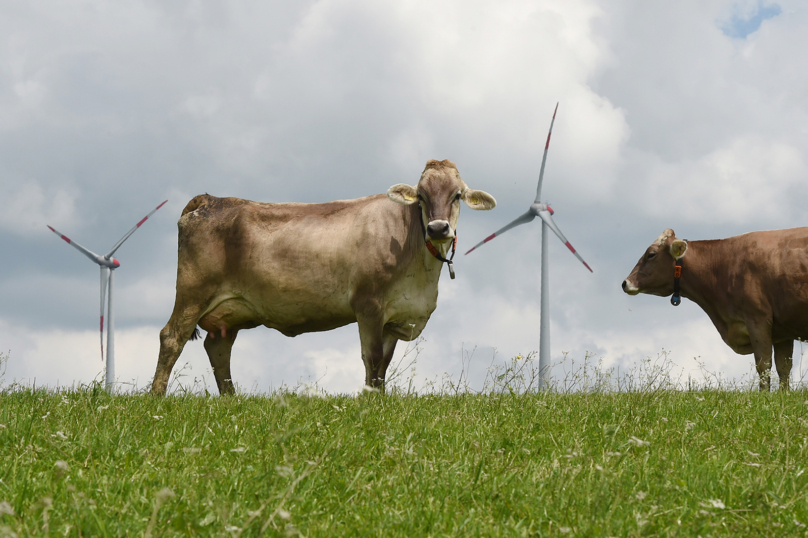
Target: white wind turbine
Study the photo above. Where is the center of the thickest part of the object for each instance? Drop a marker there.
(544, 212)
(107, 264)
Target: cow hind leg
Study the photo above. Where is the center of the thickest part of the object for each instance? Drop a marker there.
(179, 329)
(218, 350)
(783, 352)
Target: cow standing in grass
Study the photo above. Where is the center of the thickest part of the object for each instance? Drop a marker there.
(302, 268)
(754, 287)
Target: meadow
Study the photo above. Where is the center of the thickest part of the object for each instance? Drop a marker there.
(643, 458)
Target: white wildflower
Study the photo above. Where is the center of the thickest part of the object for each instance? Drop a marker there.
(60, 435)
(61, 465)
(164, 494)
(157, 417)
(689, 425)
(283, 514)
(102, 407)
(797, 523)
(753, 454)
(45, 415)
(238, 449)
(714, 503)
(564, 530)
(641, 495)
(751, 464)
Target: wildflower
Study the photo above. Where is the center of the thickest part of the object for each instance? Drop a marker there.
(157, 417)
(283, 514)
(689, 425)
(102, 407)
(164, 494)
(714, 503)
(564, 530)
(60, 435)
(641, 495)
(238, 449)
(45, 415)
(751, 464)
(61, 465)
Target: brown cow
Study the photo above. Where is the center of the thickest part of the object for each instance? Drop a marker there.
(754, 287)
(301, 268)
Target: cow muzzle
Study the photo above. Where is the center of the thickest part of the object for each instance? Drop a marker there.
(439, 230)
(630, 288)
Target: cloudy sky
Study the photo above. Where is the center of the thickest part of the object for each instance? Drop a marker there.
(690, 115)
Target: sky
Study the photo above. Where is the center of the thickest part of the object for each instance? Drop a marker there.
(687, 115)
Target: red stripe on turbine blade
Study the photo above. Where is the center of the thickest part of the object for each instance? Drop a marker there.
(556, 110)
(547, 145)
(141, 222)
(587, 266)
(570, 247)
(66, 239)
(472, 248)
(489, 238)
(102, 323)
(161, 205)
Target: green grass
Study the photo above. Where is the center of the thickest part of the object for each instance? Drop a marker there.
(643, 463)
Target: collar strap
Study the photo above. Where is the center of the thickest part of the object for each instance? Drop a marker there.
(676, 298)
(434, 251)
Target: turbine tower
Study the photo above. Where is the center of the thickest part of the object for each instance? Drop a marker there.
(107, 264)
(545, 213)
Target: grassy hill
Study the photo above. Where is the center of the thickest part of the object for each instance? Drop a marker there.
(649, 462)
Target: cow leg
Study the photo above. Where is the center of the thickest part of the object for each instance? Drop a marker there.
(218, 350)
(783, 352)
(371, 339)
(388, 347)
(761, 341)
(175, 334)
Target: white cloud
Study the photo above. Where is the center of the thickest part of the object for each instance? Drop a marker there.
(28, 207)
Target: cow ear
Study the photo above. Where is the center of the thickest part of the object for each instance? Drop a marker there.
(479, 200)
(403, 194)
(678, 248)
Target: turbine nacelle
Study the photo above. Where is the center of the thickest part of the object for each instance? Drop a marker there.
(112, 263)
(538, 207)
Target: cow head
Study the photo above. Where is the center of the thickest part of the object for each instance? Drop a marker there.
(439, 192)
(653, 274)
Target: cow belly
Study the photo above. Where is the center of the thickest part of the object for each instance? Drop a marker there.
(227, 314)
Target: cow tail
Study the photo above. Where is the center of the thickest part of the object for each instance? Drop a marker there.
(196, 334)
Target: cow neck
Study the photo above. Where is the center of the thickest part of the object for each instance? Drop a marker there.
(432, 249)
(698, 278)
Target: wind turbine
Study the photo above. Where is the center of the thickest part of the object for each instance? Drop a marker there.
(107, 264)
(545, 213)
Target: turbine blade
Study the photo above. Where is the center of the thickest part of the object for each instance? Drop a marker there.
(548, 219)
(104, 280)
(544, 158)
(130, 232)
(89, 253)
(527, 217)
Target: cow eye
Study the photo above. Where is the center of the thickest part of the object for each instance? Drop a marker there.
(651, 255)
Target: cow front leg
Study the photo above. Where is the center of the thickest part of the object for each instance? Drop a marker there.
(761, 340)
(783, 351)
(371, 339)
(388, 348)
(218, 350)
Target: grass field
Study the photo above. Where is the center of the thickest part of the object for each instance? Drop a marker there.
(646, 462)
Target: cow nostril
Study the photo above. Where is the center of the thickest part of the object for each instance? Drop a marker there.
(624, 285)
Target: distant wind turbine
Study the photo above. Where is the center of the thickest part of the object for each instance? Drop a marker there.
(544, 212)
(107, 264)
